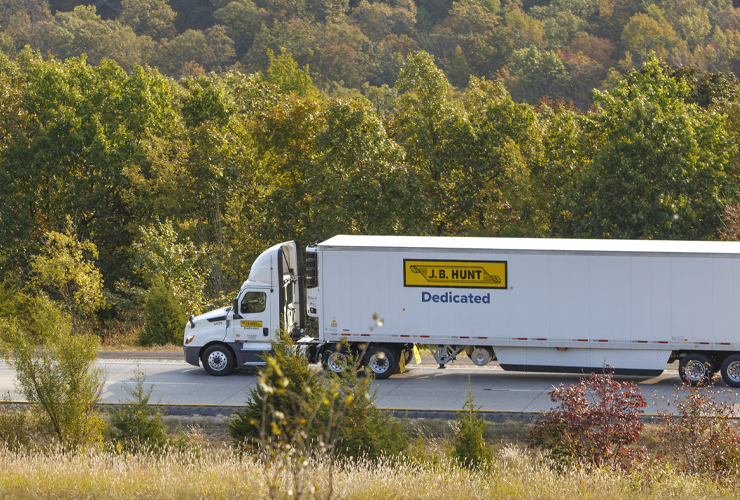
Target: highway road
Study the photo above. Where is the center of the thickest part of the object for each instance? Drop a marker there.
(422, 387)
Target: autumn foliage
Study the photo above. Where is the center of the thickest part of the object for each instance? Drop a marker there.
(594, 423)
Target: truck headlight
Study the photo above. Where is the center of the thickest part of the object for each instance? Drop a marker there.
(190, 339)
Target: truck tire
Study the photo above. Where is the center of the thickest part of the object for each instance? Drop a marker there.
(696, 369)
(731, 370)
(218, 360)
(382, 361)
(335, 361)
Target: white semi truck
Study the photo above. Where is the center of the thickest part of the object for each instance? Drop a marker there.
(545, 305)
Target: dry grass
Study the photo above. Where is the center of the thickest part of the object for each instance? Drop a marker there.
(220, 474)
(138, 348)
(203, 466)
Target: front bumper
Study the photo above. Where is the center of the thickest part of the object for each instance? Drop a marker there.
(192, 355)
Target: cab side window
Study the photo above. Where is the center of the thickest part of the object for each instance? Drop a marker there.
(253, 302)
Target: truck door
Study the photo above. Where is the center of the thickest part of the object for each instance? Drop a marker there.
(255, 324)
(292, 302)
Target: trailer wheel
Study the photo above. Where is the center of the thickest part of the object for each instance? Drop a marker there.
(335, 361)
(218, 360)
(731, 370)
(696, 369)
(382, 361)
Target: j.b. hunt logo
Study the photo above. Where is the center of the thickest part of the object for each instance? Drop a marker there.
(455, 274)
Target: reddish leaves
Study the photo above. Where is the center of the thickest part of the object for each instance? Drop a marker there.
(698, 437)
(594, 422)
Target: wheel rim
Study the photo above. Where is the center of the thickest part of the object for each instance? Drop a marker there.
(337, 362)
(733, 371)
(217, 360)
(379, 363)
(696, 371)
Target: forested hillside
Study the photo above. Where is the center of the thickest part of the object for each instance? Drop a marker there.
(112, 182)
(125, 167)
(557, 48)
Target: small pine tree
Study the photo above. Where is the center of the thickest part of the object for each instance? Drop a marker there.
(298, 383)
(135, 427)
(165, 318)
(470, 448)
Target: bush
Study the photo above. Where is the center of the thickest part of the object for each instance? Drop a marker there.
(165, 318)
(297, 386)
(56, 372)
(594, 422)
(134, 427)
(293, 403)
(365, 430)
(698, 438)
(13, 426)
(469, 447)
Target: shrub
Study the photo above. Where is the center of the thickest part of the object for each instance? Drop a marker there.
(336, 411)
(56, 372)
(365, 430)
(698, 437)
(297, 385)
(594, 422)
(13, 426)
(134, 426)
(469, 447)
(165, 318)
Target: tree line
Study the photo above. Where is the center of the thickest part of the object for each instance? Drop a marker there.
(114, 181)
(555, 48)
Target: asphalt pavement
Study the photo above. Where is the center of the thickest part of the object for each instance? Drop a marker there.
(422, 388)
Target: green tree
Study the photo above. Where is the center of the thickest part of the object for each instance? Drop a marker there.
(469, 447)
(65, 270)
(378, 20)
(57, 373)
(26, 22)
(165, 318)
(244, 21)
(154, 18)
(360, 184)
(660, 168)
(651, 32)
(134, 426)
(505, 151)
(212, 50)
(84, 141)
(162, 259)
(537, 73)
(83, 33)
(284, 73)
(434, 132)
(525, 30)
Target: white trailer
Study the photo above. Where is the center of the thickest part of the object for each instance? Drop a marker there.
(550, 305)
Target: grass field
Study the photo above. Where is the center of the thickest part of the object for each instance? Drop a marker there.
(210, 469)
(218, 473)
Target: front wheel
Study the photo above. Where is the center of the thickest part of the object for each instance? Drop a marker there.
(218, 360)
(382, 362)
(731, 370)
(696, 369)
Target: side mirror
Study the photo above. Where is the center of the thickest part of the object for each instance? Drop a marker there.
(235, 308)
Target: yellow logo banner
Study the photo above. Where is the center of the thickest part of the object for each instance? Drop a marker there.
(455, 274)
(251, 324)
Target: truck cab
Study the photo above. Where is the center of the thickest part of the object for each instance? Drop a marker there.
(270, 301)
